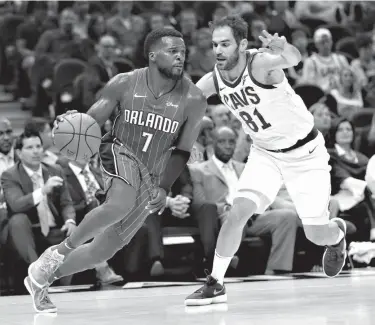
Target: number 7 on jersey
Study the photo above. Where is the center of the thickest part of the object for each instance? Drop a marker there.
(148, 137)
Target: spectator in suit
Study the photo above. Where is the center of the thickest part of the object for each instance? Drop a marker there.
(42, 126)
(215, 181)
(6, 162)
(40, 208)
(102, 63)
(83, 181)
(349, 187)
(183, 210)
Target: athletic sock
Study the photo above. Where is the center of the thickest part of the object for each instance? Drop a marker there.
(220, 267)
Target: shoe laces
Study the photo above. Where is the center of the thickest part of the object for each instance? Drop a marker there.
(333, 253)
(45, 297)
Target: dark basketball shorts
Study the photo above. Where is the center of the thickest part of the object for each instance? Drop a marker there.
(119, 162)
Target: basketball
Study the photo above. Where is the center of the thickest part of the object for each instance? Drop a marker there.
(77, 137)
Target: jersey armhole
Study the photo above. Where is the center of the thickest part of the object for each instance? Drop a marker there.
(215, 81)
(259, 84)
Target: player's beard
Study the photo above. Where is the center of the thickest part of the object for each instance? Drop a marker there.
(167, 72)
(232, 60)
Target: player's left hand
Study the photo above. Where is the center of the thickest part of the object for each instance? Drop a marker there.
(69, 228)
(273, 44)
(158, 202)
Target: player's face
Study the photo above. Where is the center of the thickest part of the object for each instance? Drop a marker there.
(6, 137)
(31, 152)
(170, 58)
(225, 47)
(344, 134)
(225, 144)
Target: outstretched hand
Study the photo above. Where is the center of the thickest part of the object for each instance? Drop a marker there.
(273, 44)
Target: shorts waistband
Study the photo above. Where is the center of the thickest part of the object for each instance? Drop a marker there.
(311, 136)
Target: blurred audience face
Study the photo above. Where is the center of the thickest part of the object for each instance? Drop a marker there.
(366, 52)
(219, 13)
(188, 21)
(257, 26)
(205, 136)
(220, 115)
(6, 136)
(344, 134)
(40, 14)
(322, 117)
(300, 41)
(166, 8)
(46, 135)
(124, 8)
(31, 152)
(156, 21)
(67, 20)
(224, 143)
(204, 39)
(323, 43)
(347, 78)
(280, 6)
(99, 26)
(106, 47)
(81, 8)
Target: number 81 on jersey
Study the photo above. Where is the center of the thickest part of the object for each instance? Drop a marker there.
(251, 123)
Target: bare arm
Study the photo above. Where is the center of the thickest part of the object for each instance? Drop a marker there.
(196, 110)
(206, 85)
(109, 99)
(275, 55)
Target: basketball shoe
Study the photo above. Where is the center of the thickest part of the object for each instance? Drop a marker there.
(211, 293)
(41, 301)
(42, 269)
(335, 255)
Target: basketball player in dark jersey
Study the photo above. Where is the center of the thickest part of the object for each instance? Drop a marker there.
(159, 117)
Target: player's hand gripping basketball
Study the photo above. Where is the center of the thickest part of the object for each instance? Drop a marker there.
(158, 202)
(273, 44)
(60, 118)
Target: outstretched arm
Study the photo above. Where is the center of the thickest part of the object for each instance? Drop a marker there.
(207, 85)
(275, 55)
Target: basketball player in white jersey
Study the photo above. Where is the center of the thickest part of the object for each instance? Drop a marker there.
(287, 148)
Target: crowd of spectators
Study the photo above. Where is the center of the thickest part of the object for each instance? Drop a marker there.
(57, 55)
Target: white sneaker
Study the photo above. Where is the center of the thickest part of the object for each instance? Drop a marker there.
(107, 276)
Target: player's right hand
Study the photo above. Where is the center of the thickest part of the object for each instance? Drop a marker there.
(54, 181)
(60, 118)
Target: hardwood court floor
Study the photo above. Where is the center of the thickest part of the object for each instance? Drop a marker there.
(348, 300)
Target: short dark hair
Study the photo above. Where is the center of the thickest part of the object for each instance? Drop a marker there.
(26, 135)
(238, 25)
(363, 40)
(154, 36)
(36, 124)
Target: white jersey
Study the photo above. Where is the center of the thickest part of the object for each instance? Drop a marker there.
(274, 116)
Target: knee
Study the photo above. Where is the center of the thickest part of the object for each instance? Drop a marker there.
(316, 233)
(19, 221)
(241, 211)
(207, 211)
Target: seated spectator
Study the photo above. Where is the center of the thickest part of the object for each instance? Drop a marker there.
(83, 182)
(6, 162)
(300, 41)
(364, 67)
(220, 115)
(322, 118)
(324, 11)
(40, 208)
(188, 22)
(81, 9)
(347, 94)
(215, 181)
(202, 60)
(41, 126)
(203, 145)
(183, 210)
(349, 187)
(156, 21)
(257, 26)
(121, 27)
(323, 68)
(102, 62)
